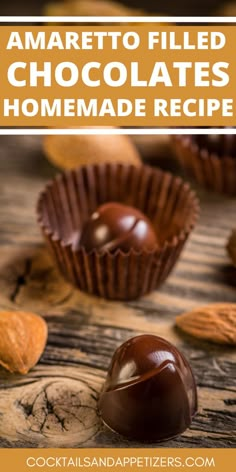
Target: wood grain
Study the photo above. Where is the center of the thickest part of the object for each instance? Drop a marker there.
(56, 404)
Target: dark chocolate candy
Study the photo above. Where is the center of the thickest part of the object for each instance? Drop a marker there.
(150, 392)
(116, 226)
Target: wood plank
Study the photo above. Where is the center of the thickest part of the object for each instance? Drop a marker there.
(56, 403)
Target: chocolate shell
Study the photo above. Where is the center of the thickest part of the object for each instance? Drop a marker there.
(150, 392)
(115, 226)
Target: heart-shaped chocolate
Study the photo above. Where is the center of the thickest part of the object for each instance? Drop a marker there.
(150, 392)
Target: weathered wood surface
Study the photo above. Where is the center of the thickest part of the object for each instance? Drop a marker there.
(56, 404)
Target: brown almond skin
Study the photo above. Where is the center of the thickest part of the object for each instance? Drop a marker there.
(150, 392)
(89, 8)
(68, 152)
(215, 323)
(23, 338)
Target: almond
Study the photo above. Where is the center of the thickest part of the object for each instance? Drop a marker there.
(68, 152)
(95, 8)
(89, 8)
(22, 340)
(215, 323)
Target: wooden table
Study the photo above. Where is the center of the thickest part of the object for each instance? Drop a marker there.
(55, 404)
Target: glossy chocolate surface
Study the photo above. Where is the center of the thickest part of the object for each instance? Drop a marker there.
(221, 145)
(150, 392)
(116, 226)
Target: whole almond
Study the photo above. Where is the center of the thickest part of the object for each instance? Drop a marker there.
(95, 8)
(89, 8)
(23, 338)
(68, 152)
(215, 323)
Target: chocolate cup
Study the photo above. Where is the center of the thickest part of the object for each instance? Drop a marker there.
(67, 202)
(212, 171)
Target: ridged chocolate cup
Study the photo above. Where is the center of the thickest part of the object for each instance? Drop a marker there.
(212, 171)
(68, 201)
